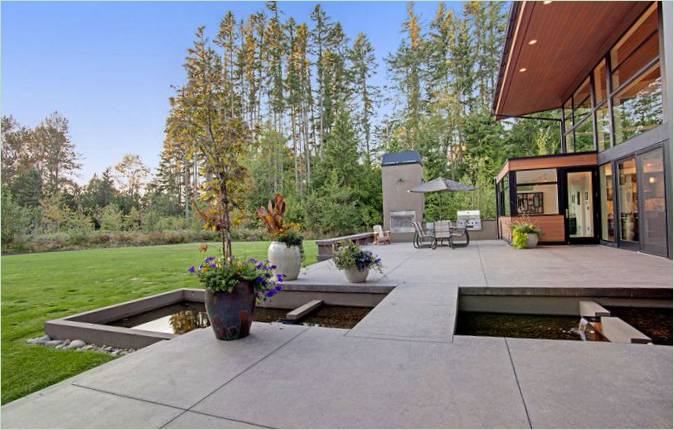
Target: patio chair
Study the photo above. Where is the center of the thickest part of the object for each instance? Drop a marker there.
(381, 237)
(423, 239)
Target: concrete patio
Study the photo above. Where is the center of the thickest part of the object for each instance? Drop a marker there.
(401, 366)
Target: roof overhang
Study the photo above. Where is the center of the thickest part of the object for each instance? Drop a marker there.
(571, 38)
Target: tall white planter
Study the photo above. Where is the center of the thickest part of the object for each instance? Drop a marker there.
(287, 259)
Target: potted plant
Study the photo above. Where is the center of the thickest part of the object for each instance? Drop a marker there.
(355, 262)
(525, 235)
(285, 251)
(232, 289)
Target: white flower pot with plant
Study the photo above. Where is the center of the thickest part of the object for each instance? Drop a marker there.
(285, 251)
(525, 235)
(355, 262)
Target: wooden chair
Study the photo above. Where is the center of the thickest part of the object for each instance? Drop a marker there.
(381, 237)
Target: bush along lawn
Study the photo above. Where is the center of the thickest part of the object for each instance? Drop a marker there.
(39, 287)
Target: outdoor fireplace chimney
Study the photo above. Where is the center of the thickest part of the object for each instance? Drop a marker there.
(400, 172)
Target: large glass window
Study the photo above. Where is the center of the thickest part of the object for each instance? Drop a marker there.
(584, 136)
(634, 91)
(628, 198)
(652, 192)
(636, 38)
(638, 106)
(603, 126)
(606, 197)
(599, 76)
(537, 192)
(568, 115)
(581, 101)
(506, 196)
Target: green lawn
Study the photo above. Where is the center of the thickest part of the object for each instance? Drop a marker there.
(38, 287)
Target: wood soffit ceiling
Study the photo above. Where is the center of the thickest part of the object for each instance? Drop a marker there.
(572, 36)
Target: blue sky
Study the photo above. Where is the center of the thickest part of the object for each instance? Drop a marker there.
(109, 66)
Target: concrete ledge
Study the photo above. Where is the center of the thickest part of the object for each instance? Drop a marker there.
(618, 331)
(608, 291)
(327, 246)
(303, 310)
(592, 310)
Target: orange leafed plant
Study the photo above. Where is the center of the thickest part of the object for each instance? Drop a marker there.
(272, 216)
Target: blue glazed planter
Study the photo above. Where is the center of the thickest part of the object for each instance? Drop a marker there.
(231, 314)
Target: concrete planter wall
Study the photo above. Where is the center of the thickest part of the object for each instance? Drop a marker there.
(287, 259)
(355, 276)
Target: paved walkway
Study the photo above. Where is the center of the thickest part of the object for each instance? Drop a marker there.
(399, 367)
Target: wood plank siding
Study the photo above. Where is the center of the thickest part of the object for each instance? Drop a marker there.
(548, 162)
(552, 227)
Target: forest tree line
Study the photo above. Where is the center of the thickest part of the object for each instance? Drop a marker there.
(314, 123)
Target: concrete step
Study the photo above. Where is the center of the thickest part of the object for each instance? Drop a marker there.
(616, 330)
(302, 311)
(592, 310)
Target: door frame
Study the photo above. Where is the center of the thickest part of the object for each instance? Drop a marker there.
(564, 203)
(626, 244)
(642, 228)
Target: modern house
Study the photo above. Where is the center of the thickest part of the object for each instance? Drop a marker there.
(606, 67)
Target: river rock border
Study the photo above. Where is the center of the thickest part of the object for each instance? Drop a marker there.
(79, 345)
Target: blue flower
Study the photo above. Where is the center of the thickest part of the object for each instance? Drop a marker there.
(259, 265)
(279, 277)
(213, 266)
(260, 280)
(191, 269)
(270, 293)
(209, 259)
(273, 266)
(278, 288)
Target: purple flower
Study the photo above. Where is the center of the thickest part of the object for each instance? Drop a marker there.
(252, 260)
(209, 259)
(213, 266)
(259, 265)
(267, 275)
(278, 288)
(270, 293)
(260, 280)
(272, 267)
(279, 277)
(191, 269)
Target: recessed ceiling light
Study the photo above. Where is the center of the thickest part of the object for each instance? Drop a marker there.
(523, 69)
(533, 42)
(547, 2)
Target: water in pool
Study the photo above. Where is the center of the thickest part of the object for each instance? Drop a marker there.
(183, 317)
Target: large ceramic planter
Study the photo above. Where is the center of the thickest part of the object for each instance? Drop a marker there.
(532, 240)
(287, 259)
(355, 276)
(231, 314)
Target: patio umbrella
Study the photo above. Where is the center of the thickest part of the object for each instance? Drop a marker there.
(441, 185)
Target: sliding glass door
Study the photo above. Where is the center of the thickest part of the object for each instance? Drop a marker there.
(628, 198)
(654, 206)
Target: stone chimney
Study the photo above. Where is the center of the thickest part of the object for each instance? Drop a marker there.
(400, 172)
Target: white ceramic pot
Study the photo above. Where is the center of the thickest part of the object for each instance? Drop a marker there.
(287, 259)
(355, 276)
(532, 240)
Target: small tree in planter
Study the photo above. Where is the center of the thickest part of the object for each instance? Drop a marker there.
(525, 235)
(285, 252)
(355, 262)
(207, 123)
